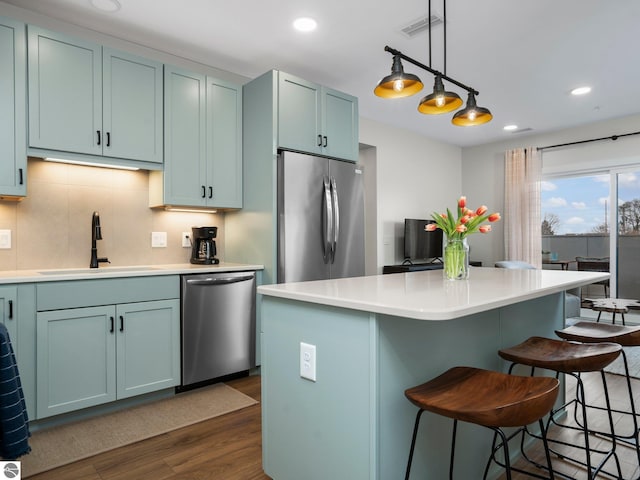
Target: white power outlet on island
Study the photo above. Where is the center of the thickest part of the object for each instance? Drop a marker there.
(308, 361)
(158, 239)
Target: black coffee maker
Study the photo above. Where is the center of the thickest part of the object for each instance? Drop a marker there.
(203, 245)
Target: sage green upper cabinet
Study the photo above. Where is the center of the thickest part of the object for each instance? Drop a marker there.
(224, 144)
(203, 143)
(316, 119)
(132, 107)
(13, 145)
(86, 99)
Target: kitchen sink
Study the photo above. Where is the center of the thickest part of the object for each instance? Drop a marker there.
(96, 270)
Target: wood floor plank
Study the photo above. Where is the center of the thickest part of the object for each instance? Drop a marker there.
(226, 447)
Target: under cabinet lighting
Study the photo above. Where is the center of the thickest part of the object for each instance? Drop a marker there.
(190, 210)
(89, 164)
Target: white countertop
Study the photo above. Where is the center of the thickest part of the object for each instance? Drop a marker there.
(51, 275)
(426, 295)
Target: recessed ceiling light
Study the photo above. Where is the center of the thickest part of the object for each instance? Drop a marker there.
(110, 6)
(508, 128)
(580, 91)
(305, 24)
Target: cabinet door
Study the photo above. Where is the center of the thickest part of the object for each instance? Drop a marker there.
(148, 347)
(224, 144)
(340, 124)
(299, 114)
(184, 138)
(13, 104)
(132, 120)
(65, 93)
(75, 366)
(9, 313)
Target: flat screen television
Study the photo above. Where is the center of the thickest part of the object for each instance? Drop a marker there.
(421, 246)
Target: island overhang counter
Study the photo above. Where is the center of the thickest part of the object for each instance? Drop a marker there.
(375, 337)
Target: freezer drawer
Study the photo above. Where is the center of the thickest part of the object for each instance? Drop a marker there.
(218, 325)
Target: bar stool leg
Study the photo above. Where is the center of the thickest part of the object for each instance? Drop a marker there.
(582, 423)
(632, 438)
(453, 448)
(413, 443)
(505, 446)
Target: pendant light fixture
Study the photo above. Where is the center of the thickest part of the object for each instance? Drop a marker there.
(471, 114)
(400, 84)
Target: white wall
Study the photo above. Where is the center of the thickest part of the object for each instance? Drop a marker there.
(414, 177)
(483, 166)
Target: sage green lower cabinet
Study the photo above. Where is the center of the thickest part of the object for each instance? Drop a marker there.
(89, 356)
(8, 312)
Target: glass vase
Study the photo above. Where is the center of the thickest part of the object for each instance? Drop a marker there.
(456, 259)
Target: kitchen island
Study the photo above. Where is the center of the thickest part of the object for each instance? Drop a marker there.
(374, 337)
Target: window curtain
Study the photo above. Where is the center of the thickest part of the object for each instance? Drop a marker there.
(522, 227)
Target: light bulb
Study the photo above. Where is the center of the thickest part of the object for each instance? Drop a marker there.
(472, 115)
(398, 85)
(440, 101)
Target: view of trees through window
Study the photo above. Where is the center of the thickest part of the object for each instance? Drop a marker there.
(580, 205)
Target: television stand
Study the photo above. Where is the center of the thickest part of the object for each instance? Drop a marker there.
(417, 267)
(411, 267)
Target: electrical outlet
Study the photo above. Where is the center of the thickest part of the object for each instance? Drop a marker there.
(158, 239)
(186, 239)
(5, 238)
(308, 361)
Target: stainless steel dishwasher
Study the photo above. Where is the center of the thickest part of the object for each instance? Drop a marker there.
(218, 325)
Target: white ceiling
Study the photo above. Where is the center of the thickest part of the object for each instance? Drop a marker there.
(523, 56)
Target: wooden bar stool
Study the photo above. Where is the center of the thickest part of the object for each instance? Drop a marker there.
(589, 332)
(487, 398)
(571, 358)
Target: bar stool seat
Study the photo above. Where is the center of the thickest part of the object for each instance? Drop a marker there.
(484, 397)
(573, 359)
(589, 332)
(562, 356)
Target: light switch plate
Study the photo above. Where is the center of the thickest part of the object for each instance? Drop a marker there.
(5, 238)
(158, 239)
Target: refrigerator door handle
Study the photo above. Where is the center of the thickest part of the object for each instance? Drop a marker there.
(327, 221)
(336, 218)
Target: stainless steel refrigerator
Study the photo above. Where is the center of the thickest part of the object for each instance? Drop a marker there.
(320, 218)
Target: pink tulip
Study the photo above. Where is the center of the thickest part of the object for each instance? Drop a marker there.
(484, 228)
(481, 210)
(444, 215)
(430, 227)
(461, 228)
(462, 202)
(465, 219)
(494, 217)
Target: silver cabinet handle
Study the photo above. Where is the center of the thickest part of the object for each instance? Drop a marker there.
(219, 281)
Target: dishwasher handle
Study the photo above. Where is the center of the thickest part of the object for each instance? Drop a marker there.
(219, 280)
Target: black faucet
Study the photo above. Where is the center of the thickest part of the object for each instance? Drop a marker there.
(96, 234)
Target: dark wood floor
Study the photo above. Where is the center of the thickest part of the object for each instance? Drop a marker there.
(229, 447)
(223, 448)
